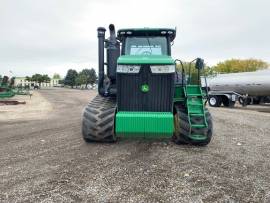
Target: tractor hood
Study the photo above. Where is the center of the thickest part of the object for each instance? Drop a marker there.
(155, 59)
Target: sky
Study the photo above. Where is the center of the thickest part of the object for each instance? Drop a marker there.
(53, 36)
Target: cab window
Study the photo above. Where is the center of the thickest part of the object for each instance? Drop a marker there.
(146, 46)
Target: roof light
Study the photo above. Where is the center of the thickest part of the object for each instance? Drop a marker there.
(163, 32)
(129, 32)
(170, 32)
(122, 33)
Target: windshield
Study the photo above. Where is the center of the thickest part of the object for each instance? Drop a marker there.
(146, 46)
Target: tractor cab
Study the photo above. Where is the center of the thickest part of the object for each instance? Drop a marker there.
(146, 41)
(146, 46)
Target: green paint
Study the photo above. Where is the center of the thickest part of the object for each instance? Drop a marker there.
(144, 124)
(6, 91)
(145, 88)
(7, 94)
(179, 94)
(191, 96)
(195, 108)
(139, 60)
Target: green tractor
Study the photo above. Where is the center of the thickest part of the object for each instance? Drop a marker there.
(6, 90)
(141, 94)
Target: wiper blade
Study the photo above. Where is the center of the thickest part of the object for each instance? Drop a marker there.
(149, 44)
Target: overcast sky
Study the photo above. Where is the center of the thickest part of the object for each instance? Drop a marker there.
(38, 36)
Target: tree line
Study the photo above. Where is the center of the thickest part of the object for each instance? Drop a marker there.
(238, 65)
(38, 78)
(229, 66)
(72, 78)
(84, 77)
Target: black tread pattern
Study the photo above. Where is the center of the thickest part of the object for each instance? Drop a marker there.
(98, 120)
(183, 129)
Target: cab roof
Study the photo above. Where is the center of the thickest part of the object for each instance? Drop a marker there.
(168, 32)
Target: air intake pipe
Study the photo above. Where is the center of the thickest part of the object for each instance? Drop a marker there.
(112, 33)
(113, 52)
(101, 39)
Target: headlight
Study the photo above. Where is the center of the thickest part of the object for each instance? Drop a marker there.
(163, 69)
(128, 69)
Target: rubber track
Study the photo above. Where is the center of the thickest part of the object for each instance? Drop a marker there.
(98, 120)
(184, 128)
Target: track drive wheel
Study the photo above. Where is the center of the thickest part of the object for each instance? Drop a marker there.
(182, 128)
(98, 120)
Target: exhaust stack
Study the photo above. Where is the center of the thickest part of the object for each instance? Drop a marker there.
(107, 86)
(101, 39)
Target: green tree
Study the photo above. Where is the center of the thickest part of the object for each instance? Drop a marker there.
(86, 76)
(81, 79)
(92, 76)
(70, 78)
(239, 65)
(190, 70)
(61, 82)
(46, 78)
(209, 71)
(37, 78)
(56, 76)
(29, 79)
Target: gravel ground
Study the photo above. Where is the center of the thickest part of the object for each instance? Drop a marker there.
(44, 159)
(36, 107)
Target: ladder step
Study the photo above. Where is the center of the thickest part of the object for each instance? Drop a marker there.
(194, 104)
(195, 111)
(178, 99)
(197, 115)
(194, 95)
(198, 137)
(198, 125)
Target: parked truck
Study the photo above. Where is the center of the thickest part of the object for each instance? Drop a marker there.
(247, 88)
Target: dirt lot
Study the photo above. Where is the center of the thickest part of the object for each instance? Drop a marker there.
(44, 159)
(36, 107)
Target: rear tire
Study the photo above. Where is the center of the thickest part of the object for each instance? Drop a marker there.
(98, 120)
(257, 100)
(182, 129)
(244, 101)
(214, 101)
(227, 102)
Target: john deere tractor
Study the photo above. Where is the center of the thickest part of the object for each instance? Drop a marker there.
(6, 89)
(141, 94)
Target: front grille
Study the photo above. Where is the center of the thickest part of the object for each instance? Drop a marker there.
(159, 98)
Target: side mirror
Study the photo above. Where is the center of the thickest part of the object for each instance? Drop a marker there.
(199, 64)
